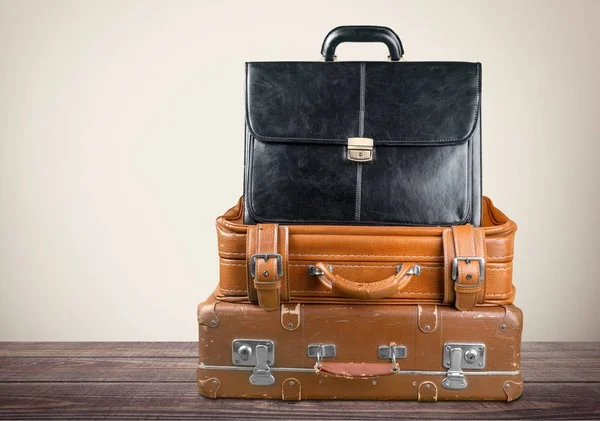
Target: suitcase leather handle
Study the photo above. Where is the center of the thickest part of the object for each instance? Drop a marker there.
(362, 34)
(355, 370)
(365, 290)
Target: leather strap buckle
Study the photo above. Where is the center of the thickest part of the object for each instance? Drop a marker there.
(265, 257)
(468, 259)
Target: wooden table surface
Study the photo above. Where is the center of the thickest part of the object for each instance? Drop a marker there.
(156, 380)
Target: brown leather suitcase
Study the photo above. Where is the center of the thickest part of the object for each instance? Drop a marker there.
(461, 265)
(423, 352)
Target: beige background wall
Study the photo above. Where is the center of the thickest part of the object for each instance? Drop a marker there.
(121, 128)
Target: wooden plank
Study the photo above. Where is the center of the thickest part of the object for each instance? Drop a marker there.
(181, 401)
(562, 362)
(95, 369)
(100, 349)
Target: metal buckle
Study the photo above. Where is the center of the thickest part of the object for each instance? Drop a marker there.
(468, 259)
(265, 257)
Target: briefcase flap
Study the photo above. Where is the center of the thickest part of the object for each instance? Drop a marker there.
(393, 103)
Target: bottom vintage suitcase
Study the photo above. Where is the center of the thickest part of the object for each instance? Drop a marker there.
(316, 351)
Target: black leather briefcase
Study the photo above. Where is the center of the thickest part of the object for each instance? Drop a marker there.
(378, 143)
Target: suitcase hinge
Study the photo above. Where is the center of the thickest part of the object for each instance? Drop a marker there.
(360, 149)
(459, 356)
(260, 354)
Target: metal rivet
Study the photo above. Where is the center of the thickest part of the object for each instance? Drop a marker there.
(427, 386)
(237, 361)
(214, 382)
(469, 276)
(447, 364)
(502, 326)
(414, 383)
(265, 273)
(427, 328)
(214, 323)
(290, 325)
(480, 364)
(448, 348)
(269, 346)
(292, 382)
(481, 348)
(374, 382)
(507, 385)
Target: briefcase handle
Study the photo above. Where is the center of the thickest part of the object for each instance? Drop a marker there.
(356, 370)
(366, 290)
(362, 33)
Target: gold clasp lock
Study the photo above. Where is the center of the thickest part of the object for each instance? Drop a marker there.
(360, 149)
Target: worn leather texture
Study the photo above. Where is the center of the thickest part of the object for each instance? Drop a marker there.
(424, 118)
(362, 33)
(356, 371)
(365, 260)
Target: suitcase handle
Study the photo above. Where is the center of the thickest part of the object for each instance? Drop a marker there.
(362, 33)
(366, 290)
(356, 370)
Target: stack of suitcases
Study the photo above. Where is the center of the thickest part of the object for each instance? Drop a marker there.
(362, 261)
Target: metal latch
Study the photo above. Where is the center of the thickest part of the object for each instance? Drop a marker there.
(360, 149)
(459, 356)
(320, 351)
(257, 353)
(393, 352)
